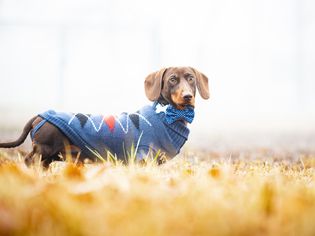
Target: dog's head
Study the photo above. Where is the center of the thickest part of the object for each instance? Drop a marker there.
(176, 86)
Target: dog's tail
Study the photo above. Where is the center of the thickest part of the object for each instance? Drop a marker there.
(23, 136)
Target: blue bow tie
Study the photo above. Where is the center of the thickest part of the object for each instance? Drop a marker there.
(173, 114)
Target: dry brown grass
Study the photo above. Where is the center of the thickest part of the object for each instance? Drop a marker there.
(195, 194)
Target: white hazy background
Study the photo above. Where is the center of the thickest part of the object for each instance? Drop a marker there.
(93, 56)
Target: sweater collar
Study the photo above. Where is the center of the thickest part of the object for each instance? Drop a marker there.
(178, 130)
(172, 114)
(171, 136)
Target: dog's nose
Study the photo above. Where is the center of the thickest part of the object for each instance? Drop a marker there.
(187, 97)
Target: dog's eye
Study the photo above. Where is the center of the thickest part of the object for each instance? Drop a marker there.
(190, 79)
(173, 80)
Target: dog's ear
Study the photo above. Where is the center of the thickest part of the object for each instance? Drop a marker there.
(202, 84)
(153, 84)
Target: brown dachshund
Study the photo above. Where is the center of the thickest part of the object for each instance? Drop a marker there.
(174, 85)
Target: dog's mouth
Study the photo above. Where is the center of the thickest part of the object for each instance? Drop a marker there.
(181, 103)
(183, 106)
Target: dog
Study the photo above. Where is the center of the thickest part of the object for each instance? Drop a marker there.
(145, 131)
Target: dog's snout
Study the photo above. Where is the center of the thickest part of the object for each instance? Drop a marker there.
(187, 97)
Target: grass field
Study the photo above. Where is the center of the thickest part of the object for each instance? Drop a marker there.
(197, 193)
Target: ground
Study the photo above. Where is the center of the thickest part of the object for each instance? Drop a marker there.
(252, 192)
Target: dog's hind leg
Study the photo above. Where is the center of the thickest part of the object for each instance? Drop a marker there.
(46, 153)
(29, 158)
(48, 142)
(46, 161)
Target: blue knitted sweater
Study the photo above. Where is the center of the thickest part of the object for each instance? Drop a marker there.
(145, 129)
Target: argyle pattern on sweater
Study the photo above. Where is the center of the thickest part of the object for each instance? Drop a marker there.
(145, 129)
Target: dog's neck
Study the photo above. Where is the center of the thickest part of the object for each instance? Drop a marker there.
(173, 114)
(162, 101)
